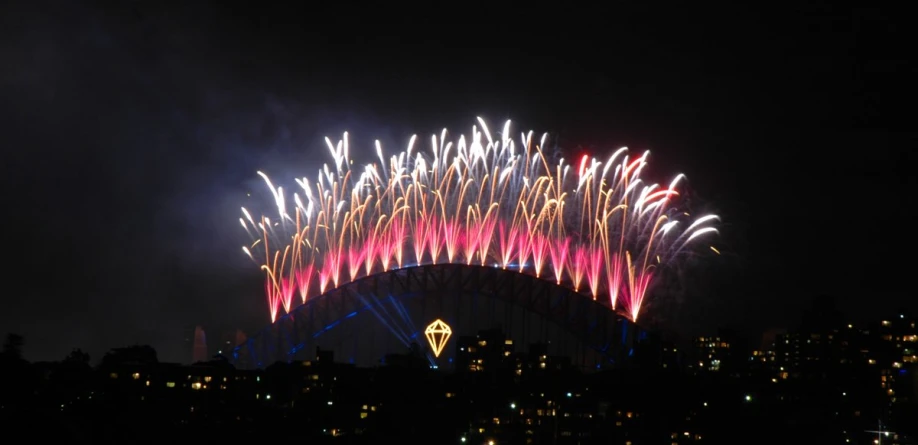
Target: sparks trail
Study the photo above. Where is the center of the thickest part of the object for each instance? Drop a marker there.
(596, 226)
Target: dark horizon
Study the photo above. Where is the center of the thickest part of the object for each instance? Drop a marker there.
(134, 132)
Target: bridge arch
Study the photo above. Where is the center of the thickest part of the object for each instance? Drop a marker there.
(388, 310)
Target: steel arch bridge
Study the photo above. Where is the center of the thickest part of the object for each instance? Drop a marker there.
(468, 298)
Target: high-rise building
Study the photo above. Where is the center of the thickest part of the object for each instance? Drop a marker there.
(187, 344)
(723, 352)
(199, 353)
(229, 339)
(490, 349)
(710, 353)
(896, 353)
(240, 338)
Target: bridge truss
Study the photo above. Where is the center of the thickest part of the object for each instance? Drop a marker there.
(388, 310)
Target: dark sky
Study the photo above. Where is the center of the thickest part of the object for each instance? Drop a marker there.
(131, 133)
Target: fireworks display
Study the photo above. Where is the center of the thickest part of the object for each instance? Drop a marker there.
(593, 225)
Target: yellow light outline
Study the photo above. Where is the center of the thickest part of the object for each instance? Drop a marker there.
(435, 328)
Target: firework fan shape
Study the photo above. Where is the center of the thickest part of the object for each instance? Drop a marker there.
(594, 226)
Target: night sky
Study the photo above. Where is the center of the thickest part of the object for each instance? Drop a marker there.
(131, 134)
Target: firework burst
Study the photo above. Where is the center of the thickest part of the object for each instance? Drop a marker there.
(594, 226)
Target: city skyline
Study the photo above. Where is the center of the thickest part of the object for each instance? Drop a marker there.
(828, 379)
(822, 315)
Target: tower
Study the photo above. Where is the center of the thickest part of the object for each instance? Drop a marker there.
(229, 339)
(240, 338)
(199, 354)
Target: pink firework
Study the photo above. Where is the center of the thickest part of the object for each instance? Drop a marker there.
(476, 200)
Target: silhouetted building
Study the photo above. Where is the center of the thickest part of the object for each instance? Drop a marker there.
(489, 350)
(537, 359)
(895, 348)
(411, 359)
(671, 357)
(725, 352)
(324, 356)
(651, 352)
(769, 337)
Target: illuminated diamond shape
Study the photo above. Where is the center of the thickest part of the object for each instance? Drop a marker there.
(437, 334)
